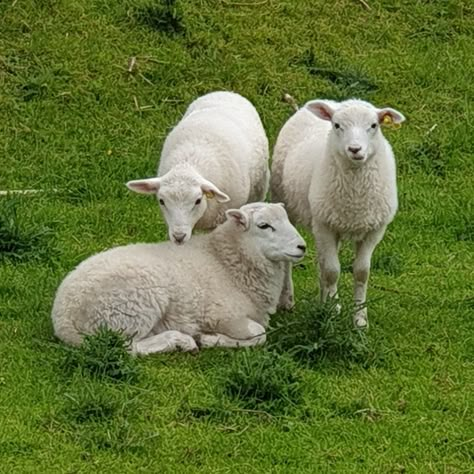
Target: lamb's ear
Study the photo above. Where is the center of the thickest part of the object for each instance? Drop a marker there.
(144, 186)
(390, 116)
(212, 191)
(238, 216)
(321, 109)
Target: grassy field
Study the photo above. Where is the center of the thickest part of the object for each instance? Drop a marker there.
(319, 397)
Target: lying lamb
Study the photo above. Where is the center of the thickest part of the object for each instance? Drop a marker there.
(218, 290)
(217, 153)
(335, 171)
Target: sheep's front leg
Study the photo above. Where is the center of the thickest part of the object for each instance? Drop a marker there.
(287, 299)
(242, 333)
(166, 341)
(361, 271)
(327, 246)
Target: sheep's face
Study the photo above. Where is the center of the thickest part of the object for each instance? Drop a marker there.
(183, 198)
(269, 230)
(355, 126)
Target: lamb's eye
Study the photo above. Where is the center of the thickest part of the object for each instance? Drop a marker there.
(373, 126)
(198, 201)
(337, 126)
(265, 226)
(162, 203)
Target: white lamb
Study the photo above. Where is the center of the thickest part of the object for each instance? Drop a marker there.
(218, 290)
(335, 171)
(217, 153)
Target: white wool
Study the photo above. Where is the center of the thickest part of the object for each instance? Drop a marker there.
(219, 289)
(335, 172)
(215, 158)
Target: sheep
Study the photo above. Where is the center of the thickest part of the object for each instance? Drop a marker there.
(215, 158)
(217, 290)
(335, 172)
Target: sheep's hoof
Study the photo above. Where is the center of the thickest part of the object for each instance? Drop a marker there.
(361, 322)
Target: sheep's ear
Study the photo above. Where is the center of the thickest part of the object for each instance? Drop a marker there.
(390, 116)
(321, 109)
(212, 191)
(239, 217)
(144, 186)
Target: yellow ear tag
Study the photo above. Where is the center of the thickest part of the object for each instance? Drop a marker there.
(388, 121)
(209, 194)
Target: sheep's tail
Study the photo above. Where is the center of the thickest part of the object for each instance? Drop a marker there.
(291, 101)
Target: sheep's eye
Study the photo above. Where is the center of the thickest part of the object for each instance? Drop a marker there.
(198, 201)
(265, 226)
(162, 202)
(337, 126)
(373, 126)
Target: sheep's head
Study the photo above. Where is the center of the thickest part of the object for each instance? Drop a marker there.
(355, 126)
(183, 197)
(269, 230)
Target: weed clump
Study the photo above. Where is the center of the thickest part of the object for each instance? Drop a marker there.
(21, 240)
(263, 381)
(104, 355)
(319, 332)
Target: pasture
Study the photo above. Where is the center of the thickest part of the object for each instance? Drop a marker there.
(88, 91)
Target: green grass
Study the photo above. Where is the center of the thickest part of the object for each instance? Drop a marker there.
(319, 397)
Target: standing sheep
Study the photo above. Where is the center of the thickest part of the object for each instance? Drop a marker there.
(218, 290)
(217, 153)
(335, 171)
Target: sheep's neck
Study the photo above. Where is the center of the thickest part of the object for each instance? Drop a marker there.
(252, 274)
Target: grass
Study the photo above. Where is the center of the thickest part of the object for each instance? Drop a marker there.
(319, 397)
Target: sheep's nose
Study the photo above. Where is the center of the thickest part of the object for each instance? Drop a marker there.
(355, 149)
(179, 237)
(301, 247)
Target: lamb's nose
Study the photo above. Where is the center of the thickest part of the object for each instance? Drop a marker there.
(301, 247)
(179, 237)
(355, 149)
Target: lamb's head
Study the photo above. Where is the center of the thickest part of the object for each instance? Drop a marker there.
(183, 196)
(355, 126)
(268, 229)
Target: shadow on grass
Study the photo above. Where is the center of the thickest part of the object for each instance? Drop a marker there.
(163, 15)
(346, 81)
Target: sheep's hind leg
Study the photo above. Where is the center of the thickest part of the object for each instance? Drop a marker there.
(361, 270)
(167, 341)
(287, 299)
(245, 333)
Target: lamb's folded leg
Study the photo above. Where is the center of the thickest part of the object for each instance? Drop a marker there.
(244, 333)
(167, 341)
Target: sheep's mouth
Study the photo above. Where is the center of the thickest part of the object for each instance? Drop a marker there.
(294, 256)
(358, 157)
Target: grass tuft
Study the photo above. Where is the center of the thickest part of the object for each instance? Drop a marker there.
(390, 264)
(104, 355)
(428, 156)
(164, 16)
(22, 240)
(263, 380)
(319, 333)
